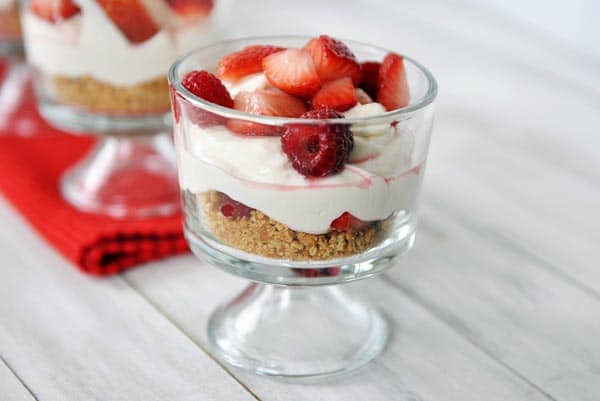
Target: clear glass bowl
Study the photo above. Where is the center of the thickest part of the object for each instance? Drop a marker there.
(95, 74)
(248, 212)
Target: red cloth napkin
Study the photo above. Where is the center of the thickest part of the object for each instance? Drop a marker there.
(30, 168)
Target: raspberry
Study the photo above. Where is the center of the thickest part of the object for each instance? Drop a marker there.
(318, 150)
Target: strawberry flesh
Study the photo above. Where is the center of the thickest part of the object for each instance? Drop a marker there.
(333, 59)
(292, 71)
(392, 91)
(192, 8)
(54, 11)
(244, 62)
(347, 222)
(131, 18)
(338, 95)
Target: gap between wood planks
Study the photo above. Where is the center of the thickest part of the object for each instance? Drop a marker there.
(178, 328)
(18, 378)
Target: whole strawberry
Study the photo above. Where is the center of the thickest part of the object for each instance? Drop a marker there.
(318, 150)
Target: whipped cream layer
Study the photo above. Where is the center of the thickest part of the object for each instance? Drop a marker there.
(90, 44)
(379, 180)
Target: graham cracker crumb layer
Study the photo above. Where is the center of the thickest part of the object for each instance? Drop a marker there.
(10, 25)
(261, 235)
(99, 97)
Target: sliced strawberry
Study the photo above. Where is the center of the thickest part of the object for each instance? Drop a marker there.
(54, 11)
(205, 85)
(370, 77)
(347, 222)
(266, 103)
(131, 18)
(192, 8)
(393, 92)
(333, 59)
(245, 62)
(338, 95)
(292, 71)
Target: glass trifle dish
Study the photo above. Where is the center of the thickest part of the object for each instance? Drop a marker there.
(300, 163)
(100, 67)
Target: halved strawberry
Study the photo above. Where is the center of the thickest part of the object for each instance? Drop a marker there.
(54, 11)
(347, 222)
(131, 18)
(267, 103)
(192, 8)
(392, 91)
(205, 85)
(333, 59)
(370, 77)
(244, 62)
(292, 71)
(339, 95)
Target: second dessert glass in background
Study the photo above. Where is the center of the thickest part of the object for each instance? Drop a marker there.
(253, 210)
(100, 68)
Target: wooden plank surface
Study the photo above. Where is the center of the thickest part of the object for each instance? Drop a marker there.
(11, 388)
(498, 301)
(73, 337)
(424, 360)
(532, 320)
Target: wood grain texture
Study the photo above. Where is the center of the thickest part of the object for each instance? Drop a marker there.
(423, 361)
(73, 337)
(11, 388)
(541, 326)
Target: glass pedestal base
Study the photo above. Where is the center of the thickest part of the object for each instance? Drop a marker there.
(297, 332)
(125, 176)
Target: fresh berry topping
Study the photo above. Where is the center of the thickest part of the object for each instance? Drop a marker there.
(192, 8)
(347, 222)
(267, 103)
(370, 77)
(54, 11)
(362, 96)
(232, 209)
(292, 71)
(338, 95)
(333, 59)
(205, 85)
(131, 18)
(245, 62)
(318, 150)
(393, 92)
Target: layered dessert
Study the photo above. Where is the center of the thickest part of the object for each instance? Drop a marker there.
(10, 26)
(303, 168)
(110, 56)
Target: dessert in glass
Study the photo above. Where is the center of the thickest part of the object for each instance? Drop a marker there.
(300, 163)
(100, 67)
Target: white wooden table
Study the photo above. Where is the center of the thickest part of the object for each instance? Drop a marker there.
(499, 300)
